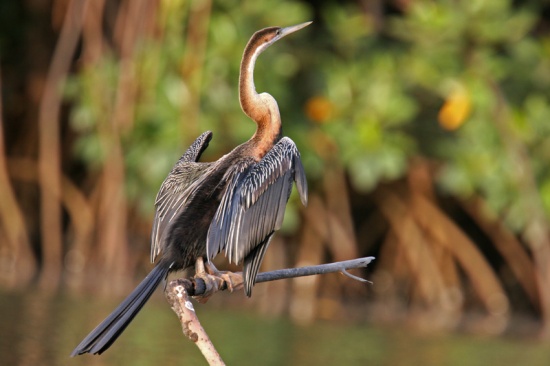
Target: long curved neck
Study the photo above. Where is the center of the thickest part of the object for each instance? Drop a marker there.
(261, 108)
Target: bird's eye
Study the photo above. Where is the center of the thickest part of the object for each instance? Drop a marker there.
(278, 32)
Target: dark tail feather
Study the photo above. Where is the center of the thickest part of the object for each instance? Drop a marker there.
(108, 331)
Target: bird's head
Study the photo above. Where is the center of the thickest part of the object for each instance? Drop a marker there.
(264, 38)
(261, 108)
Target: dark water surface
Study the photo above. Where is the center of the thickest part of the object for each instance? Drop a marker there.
(38, 330)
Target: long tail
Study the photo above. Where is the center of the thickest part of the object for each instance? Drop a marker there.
(108, 331)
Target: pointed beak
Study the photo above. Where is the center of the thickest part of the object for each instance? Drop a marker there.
(294, 28)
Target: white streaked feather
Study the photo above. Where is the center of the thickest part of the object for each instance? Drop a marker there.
(253, 205)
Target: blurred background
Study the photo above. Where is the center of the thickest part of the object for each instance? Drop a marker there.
(423, 127)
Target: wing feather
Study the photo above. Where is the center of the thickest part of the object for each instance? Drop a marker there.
(252, 264)
(253, 206)
(181, 182)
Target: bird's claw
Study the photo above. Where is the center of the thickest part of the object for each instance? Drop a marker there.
(233, 281)
(215, 280)
(212, 284)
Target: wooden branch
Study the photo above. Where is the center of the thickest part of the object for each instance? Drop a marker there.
(316, 270)
(177, 293)
(197, 286)
(178, 299)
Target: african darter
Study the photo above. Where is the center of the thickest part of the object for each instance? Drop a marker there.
(234, 204)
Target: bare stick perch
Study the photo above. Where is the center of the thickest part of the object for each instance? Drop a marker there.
(179, 301)
(198, 286)
(178, 291)
(319, 269)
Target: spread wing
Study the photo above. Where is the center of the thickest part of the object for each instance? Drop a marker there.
(178, 186)
(252, 207)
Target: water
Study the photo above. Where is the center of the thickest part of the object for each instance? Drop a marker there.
(38, 330)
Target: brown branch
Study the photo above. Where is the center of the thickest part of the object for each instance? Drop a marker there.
(112, 209)
(177, 293)
(76, 204)
(414, 246)
(20, 259)
(178, 298)
(509, 247)
(49, 159)
(445, 232)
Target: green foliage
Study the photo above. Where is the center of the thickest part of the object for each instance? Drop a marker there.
(352, 88)
(388, 87)
(489, 49)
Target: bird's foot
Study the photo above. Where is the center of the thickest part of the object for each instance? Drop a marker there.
(215, 280)
(233, 281)
(212, 284)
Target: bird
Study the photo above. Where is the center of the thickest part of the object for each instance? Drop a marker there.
(232, 205)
